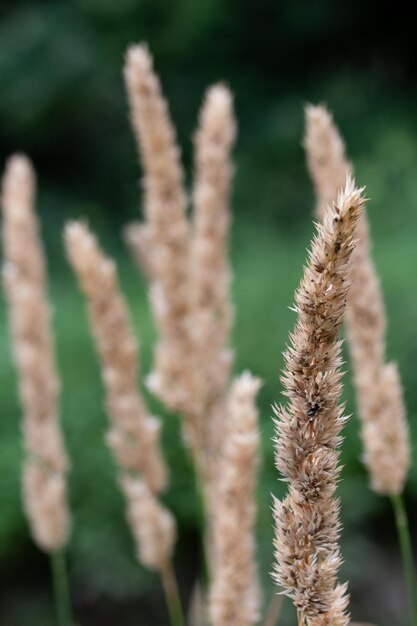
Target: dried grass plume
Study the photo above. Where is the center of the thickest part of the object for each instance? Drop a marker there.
(24, 274)
(308, 428)
(326, 158)
(211, 314)
(165, 237)
(234, 596)
(378, 388)
(134, 435)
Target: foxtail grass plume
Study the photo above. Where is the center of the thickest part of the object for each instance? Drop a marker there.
(167, 231)
(379, 393)
(234, 595)
(378, 387)
(326, 158)
(211, 314)
(134, 435)
(153, 526)
(307, 524)
(24, 274)
(186, 264)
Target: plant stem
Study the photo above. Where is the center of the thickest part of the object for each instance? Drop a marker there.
(61, 588)
(274, 610)
(201, 496)
(403, 531)
(172, 596)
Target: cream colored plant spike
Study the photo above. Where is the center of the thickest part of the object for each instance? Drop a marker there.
(378, 387)
(186, 264)
(152, 525)
(211, 315)
(167, 231)
(234, 595)
(24, 274)
(308, 428)
(134, 434)
(326, 158)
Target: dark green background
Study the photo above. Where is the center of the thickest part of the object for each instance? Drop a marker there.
(62, 101)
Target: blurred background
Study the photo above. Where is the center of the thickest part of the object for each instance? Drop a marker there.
(62, 101)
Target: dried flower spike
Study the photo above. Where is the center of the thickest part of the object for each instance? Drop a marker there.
(24, 273)
(152, 525)
(167, 234)
(234, 597)
(188, 271)
(378, 388)
(308, 428)
(326, 159)
(211, 314)
(134, 435)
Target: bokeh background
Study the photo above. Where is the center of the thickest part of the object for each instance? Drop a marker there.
(62, 101)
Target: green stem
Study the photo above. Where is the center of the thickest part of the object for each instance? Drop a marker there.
(274, 610)
(172, 596)
(403, 531)
(201, 497)
(61, 588)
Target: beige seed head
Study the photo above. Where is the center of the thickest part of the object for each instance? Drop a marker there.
(326, 159)
(152, 525)
(211, 314)
(308, 428)
(44, 498)
(24, 273)
(386, 439)
(167, 247)
(234, 595)
(188, 271)
(134, 435)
